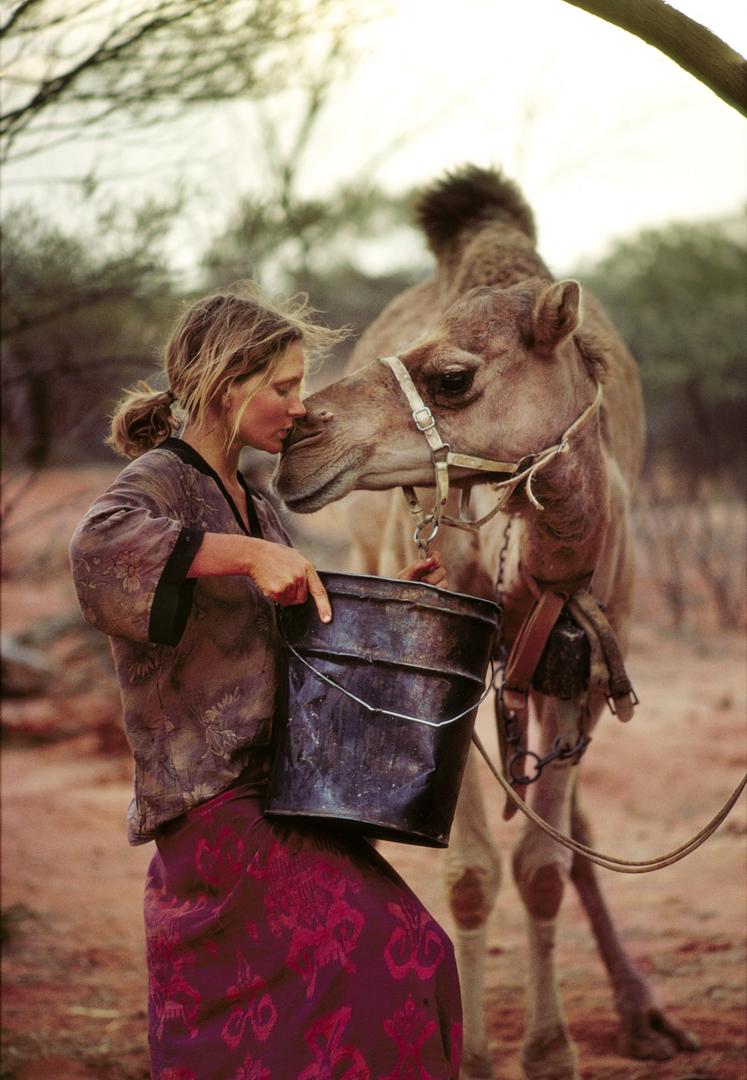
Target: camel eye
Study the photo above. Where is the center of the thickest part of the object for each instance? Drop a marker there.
(455, 382)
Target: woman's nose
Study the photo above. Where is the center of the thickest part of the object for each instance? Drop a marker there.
(297, 409)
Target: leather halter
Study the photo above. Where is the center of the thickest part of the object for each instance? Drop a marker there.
(443, 456)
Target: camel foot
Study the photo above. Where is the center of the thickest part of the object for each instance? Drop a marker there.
(476, 1067)
(648, 1033)
(550, 1055)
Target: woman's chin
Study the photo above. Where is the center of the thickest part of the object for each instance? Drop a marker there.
(267, 446)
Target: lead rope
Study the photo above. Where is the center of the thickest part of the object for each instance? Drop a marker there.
(609, 862)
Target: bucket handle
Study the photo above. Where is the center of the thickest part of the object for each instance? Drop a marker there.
(388, 712)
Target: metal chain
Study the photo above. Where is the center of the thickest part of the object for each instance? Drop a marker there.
(502, 560)
(502, 656)
(558, 752)
(502, 652)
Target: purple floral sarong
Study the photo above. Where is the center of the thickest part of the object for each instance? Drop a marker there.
(279, 953)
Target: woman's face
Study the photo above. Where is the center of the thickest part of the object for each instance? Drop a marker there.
(269, 416)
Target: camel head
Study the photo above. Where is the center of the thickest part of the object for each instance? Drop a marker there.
(501, 373)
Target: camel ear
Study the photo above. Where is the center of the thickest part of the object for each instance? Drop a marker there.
(557, 315)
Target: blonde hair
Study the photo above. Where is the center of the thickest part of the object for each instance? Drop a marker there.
(220, 338)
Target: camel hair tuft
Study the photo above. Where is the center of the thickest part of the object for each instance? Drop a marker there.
(468, 197)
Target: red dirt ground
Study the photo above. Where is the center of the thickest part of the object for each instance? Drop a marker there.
(73, 974)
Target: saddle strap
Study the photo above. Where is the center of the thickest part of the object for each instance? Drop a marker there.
(607, 670)
(520, 667)
(528, 647)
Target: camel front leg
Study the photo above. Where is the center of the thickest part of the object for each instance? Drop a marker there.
(473, 873)
(645, 1030)
(541, 868)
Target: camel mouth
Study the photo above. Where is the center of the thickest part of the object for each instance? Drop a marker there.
(309, 501)
(296, 439)
(314, 491)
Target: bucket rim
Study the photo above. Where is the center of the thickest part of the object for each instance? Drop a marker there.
(338, 655)
(375, 828)
(490, 604)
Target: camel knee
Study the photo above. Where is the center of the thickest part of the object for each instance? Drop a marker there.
(472, 893)
(544, 892)
(540, 881)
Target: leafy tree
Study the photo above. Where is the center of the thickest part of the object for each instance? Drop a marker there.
(294, 242)
(679, 296)
(81, 314)
(304, 239)
(289, 236)
(71, 337)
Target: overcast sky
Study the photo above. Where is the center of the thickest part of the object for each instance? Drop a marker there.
(605, 134)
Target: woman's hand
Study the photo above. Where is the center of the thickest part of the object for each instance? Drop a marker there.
(287, 577)
(281, 573)
(430, 570)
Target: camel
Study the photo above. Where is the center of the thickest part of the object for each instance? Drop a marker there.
(507, 362)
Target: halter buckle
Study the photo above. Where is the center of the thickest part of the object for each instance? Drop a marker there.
(427, 422)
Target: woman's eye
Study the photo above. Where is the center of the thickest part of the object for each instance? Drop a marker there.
(454, 382)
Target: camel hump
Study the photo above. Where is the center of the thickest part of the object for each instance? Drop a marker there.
(467, 197)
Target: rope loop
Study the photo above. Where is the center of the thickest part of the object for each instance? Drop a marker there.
(423, 541)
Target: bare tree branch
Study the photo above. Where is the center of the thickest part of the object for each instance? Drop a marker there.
(688, 43)
(17, 13)
(147, 61)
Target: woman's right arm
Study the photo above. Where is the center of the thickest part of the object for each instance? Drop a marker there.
(281, 573)
(134, 562)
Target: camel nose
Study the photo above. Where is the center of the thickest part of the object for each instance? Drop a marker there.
(312, 423)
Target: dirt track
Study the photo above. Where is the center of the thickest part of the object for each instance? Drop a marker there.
(74, 982)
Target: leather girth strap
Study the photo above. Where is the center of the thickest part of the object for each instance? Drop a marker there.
(607, 669)
(528, 647)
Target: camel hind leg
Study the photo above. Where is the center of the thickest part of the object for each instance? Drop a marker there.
(645, 1030)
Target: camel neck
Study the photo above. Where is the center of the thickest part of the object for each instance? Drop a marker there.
(563, 542)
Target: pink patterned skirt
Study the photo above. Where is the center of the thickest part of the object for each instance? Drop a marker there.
(279, 953)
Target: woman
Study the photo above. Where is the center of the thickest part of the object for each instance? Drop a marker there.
(274, 952)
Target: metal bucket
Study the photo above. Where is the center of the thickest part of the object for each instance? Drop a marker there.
(382, 703)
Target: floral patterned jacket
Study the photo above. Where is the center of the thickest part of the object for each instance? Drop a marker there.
(199, 662)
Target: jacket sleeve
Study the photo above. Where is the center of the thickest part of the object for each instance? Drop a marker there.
(131, 553)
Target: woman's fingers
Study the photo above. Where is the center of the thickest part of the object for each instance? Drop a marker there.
(430, 570)
(292, 593)
(294, 579)
(437, 577)
(415, 571)
(319, 595)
